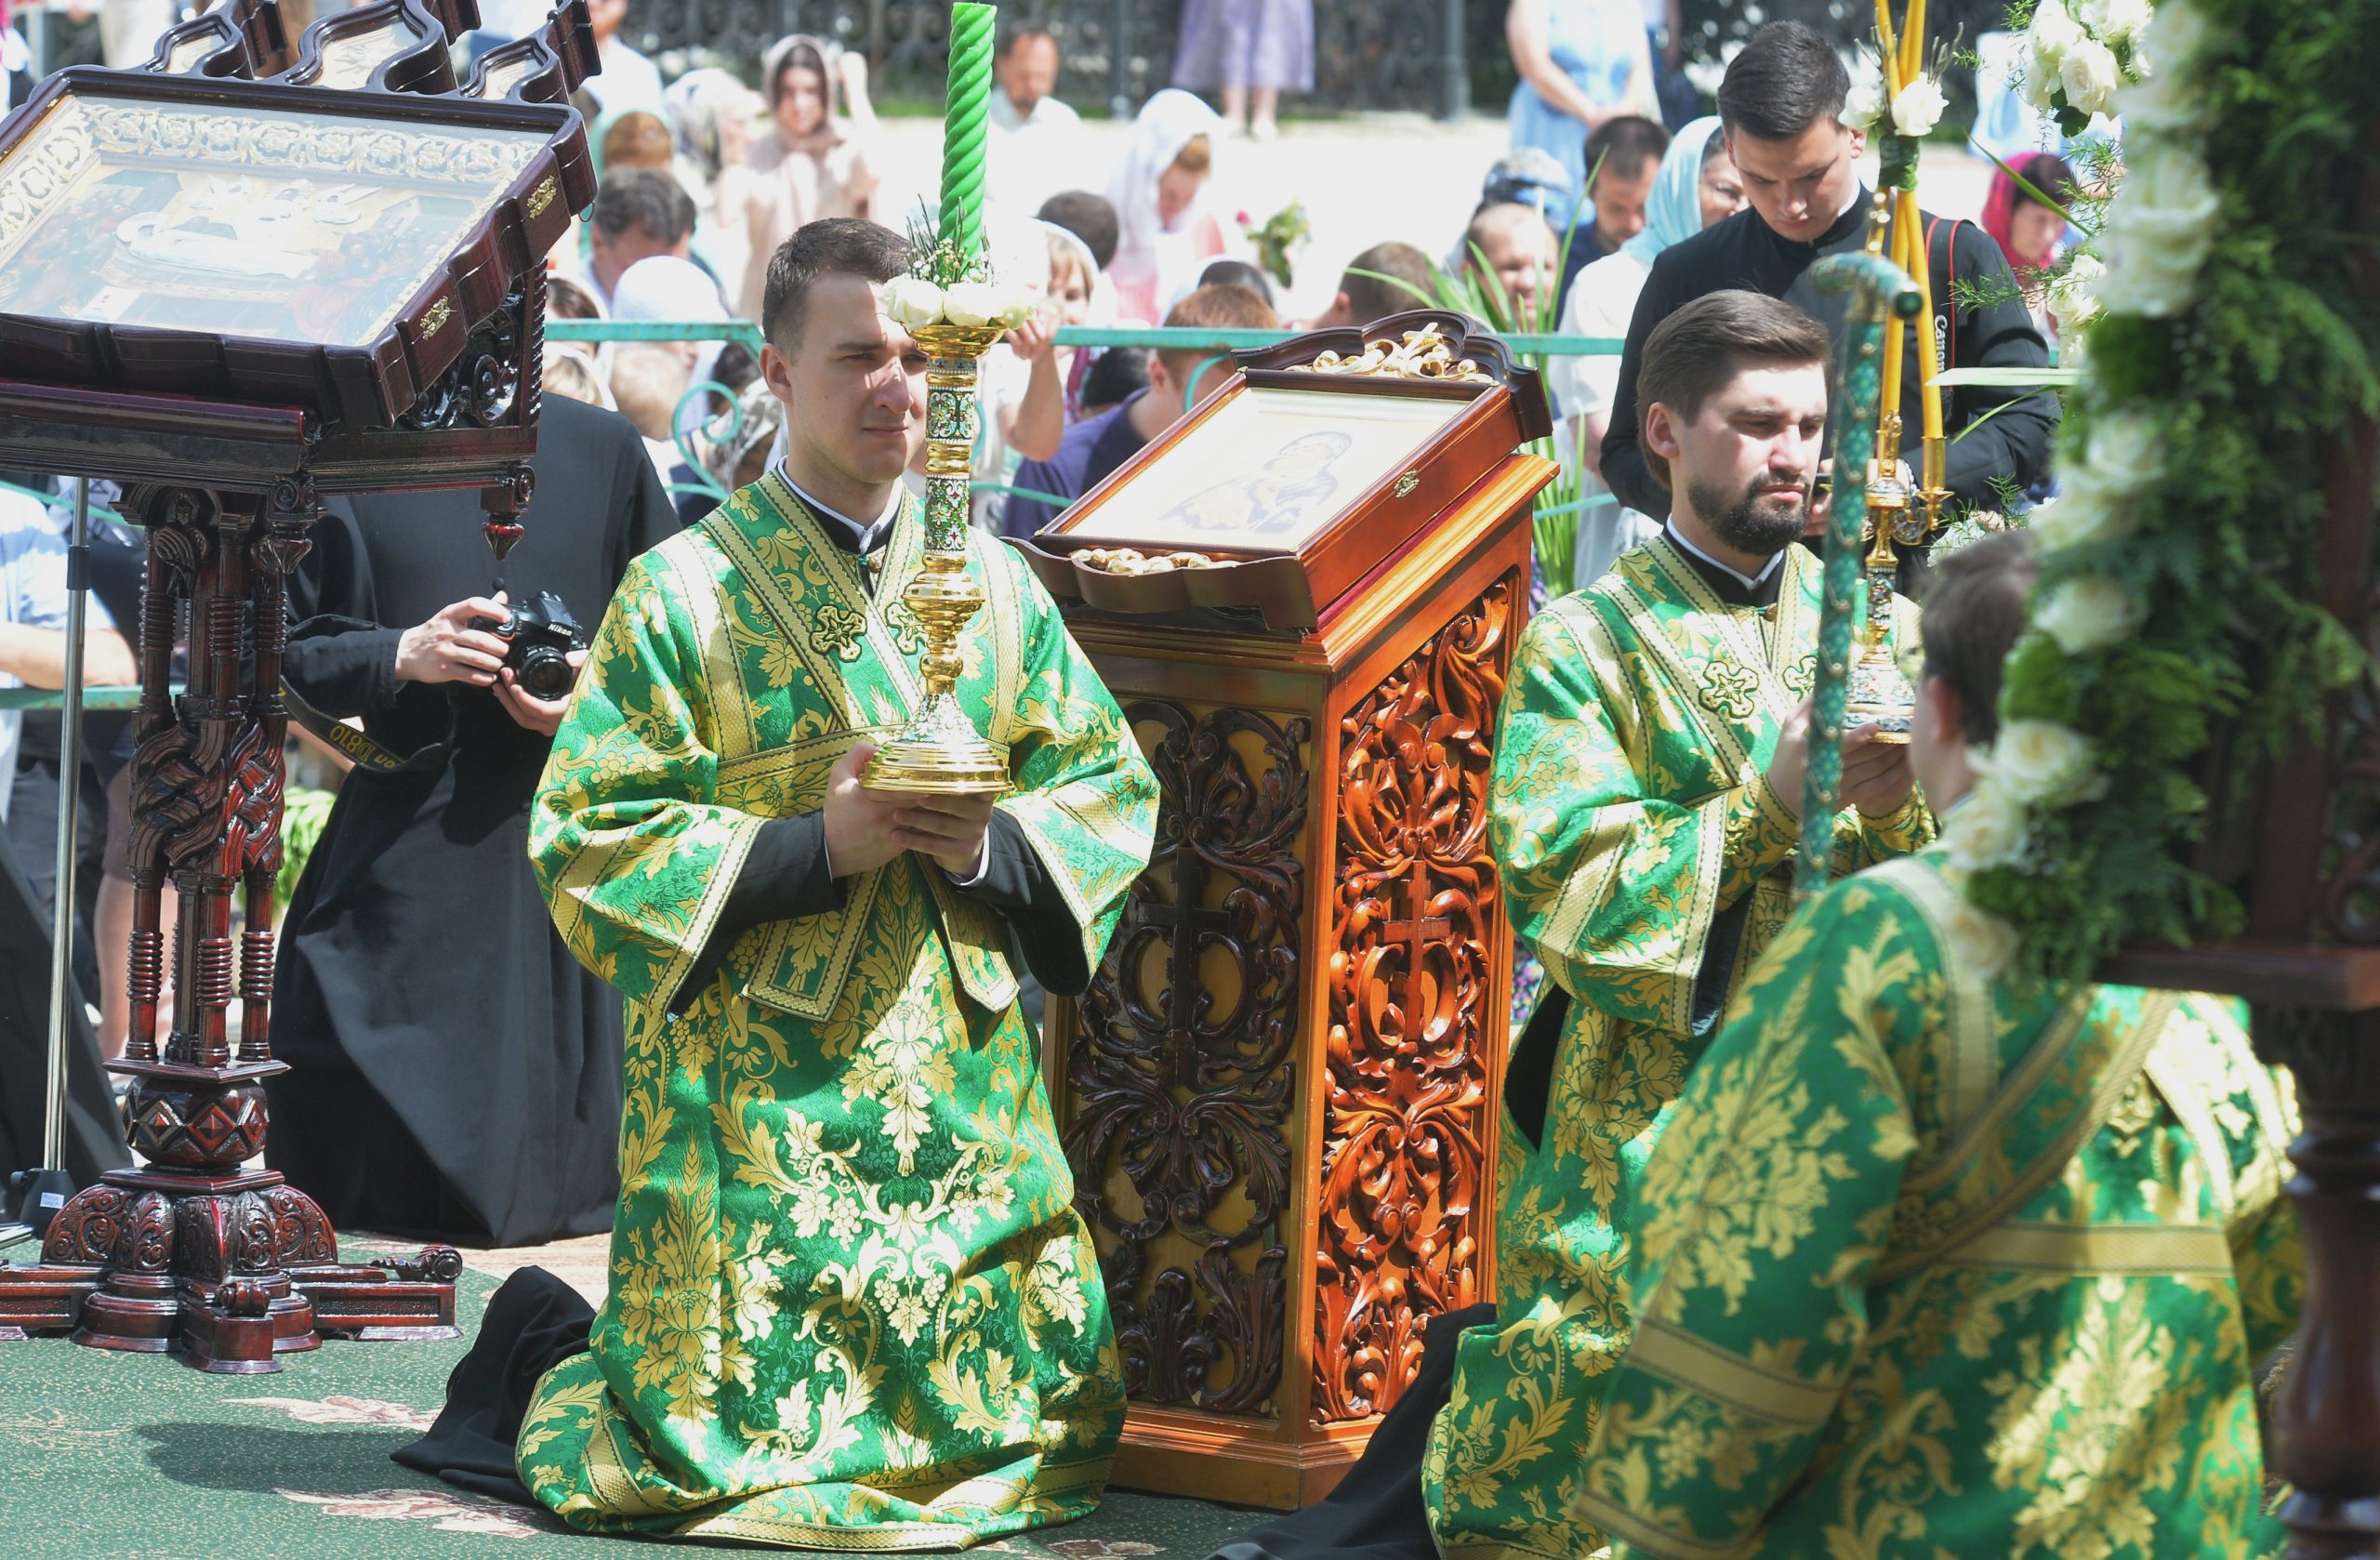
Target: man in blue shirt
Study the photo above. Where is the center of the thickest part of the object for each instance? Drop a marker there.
(1092, 449)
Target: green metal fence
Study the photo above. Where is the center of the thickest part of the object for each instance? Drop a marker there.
(596, 332)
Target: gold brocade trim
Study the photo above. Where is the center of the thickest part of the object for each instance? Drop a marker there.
(1622, 1524)
(1967, 1048)
(1046, 1482)
(715, 889)
(608, 1474)
(2020, 1084)
(2047, 1165)
(2120, 1250)
(2173, 1071)
(1727, 1378)
(709, 611)
(1634, 599)
(828, 674)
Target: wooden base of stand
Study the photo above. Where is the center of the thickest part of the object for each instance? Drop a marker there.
(227, 1272)
(1181, 1452)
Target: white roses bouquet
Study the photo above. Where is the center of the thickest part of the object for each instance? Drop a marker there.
(913, 302)
(2079, 54)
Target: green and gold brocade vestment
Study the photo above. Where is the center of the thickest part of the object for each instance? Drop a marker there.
(1928, 1268)
(1644, 858)
(851, 1304)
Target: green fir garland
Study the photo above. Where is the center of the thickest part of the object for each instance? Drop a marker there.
(2178, 569)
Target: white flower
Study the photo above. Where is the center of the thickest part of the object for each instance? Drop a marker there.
(2127, 451)
(1918, 107)
(2083, 516)
(1018, 306)
(2042, 761)
(2089, 76)
(2039, 90)
(1981, 941)
(911, 302)
(2089, 612)
(2074, 296)
(2052, 32)
(1864, 104)
(2160, 226)
(1986, 828)
(973, 303)
(2115, 21)
(2176, 37)
(2160, 104)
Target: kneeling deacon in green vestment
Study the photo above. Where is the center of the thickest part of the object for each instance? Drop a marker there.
(1930, 1264)
(1648, 766)
(850, 1305)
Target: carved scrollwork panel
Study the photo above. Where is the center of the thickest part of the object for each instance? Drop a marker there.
(1407, 1178)
(1182, 1066)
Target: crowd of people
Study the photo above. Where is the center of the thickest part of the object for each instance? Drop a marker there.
(1717, 1104)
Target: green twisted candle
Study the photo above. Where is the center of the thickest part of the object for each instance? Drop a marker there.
(966, 125)
(1881, 293)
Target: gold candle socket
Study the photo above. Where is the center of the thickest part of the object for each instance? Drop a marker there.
(1880, 694)
(940, 752)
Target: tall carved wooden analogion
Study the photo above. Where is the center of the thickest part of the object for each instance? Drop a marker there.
(237, 280)
(1279, 1095)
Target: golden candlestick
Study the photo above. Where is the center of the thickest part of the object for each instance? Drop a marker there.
(940, 751)
(1881, 695)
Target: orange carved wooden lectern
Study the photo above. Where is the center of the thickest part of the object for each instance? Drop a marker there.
(1279, 1096)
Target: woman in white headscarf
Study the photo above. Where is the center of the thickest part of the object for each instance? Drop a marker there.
(711, 118)
(813, 162)
(1696, 186)
(1166, 228)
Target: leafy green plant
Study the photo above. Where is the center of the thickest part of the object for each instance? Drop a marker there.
(1477, 291)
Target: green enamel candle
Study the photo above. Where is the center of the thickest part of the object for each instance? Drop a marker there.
(966, 124)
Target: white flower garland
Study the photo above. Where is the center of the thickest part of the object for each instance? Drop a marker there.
(2160, 229)
(2079, 55)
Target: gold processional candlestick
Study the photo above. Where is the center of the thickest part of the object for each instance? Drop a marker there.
(940, 751)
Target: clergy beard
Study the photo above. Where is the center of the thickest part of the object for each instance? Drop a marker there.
(1763, 527)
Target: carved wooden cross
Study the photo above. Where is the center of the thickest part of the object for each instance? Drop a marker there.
(1417, 932)
(1186, 915)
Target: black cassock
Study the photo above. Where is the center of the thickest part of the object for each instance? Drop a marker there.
(456, 1072)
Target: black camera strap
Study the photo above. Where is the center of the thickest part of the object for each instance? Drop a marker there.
(367, 752)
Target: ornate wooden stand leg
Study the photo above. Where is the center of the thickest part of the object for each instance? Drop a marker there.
(2326, 1423)
(191, 1251)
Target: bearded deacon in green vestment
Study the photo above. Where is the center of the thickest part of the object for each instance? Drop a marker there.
(1929, 1264)
(1648, 766)
(851, 1303)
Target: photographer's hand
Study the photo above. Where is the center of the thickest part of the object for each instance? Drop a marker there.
(532, 713)
(447, 649)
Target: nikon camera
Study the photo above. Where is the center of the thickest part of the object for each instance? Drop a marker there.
(542, 634)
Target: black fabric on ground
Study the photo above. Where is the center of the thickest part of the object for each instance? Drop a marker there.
(534, 1321)
(433, 1019)
(1377, 1512)
(94, 1132)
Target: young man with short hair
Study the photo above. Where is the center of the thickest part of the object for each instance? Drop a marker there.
(1782, 102)
(1179, 378)
(1624, 153)
(1385, 279)
(852, 1303)
(1932, 1263)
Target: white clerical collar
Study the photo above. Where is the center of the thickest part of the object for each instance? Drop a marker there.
(865, 537)
(1776, 562)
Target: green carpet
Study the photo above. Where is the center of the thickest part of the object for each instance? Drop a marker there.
(138, 1457)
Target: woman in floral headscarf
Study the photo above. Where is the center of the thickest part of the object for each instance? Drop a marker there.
(712, 116)
(814, 163)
